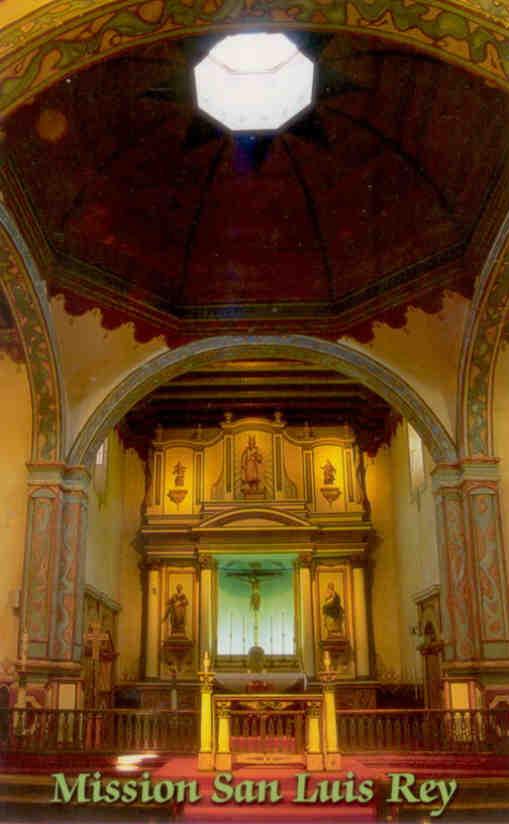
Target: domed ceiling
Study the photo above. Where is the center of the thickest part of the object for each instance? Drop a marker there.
(365, 205)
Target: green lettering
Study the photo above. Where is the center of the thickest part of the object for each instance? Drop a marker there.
(129, 792)
(64, 794)
(400, 788)
(272, 789)
(223, 792)
(112, 790)
(366, 791)
(301, 796)
(163, 792)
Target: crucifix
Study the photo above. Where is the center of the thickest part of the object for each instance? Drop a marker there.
(95, 637)
(253, 577)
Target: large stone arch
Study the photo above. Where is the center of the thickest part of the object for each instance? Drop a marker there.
(337, 356)
(59, 38)
(481, 343)
(26, 295)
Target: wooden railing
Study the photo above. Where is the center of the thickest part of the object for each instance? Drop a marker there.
(453, 731)
(47, 730)
(261, 724)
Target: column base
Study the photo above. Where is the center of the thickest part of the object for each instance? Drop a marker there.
(206, 761)
(333, 760)
(314, 761)
(223, 761)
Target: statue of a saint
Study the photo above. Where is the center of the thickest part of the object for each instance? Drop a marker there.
(176, 610)
(179, 471)
(329, 472)
(333, 612)
(251, 468)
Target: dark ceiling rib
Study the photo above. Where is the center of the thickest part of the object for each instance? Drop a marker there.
(195, 222)
(313, 213)
(396, 147)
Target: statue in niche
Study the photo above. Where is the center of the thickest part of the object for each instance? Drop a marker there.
(329, 490)
(251, 468)
(178, 494)
(329, 473)
(179, 471)
(176, 611)
(333, 612)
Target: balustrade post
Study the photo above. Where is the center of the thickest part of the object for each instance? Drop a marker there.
(314, 755)
(330, 725)
(206, 756)
(223, 759)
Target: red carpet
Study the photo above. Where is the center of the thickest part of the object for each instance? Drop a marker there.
(34, 768)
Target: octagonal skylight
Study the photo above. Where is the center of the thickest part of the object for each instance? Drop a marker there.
(254, 82)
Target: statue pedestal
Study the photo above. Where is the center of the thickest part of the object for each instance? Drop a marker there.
(177, 651)
(339, 649)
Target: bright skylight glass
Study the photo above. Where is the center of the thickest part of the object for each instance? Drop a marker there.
(254, 82)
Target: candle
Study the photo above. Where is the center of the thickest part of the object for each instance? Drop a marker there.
(271, 639)
(24, 649)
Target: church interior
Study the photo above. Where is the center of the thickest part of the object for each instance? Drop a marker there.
(254, 506)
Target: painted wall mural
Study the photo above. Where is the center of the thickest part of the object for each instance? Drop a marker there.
(491, 579)
(38, 349)
(489, 314)
(63, 37)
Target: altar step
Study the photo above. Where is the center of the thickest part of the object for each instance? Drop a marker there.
(282, 811)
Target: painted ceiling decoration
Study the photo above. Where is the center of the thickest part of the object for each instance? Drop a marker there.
(352, 214)
(10, 343)
(59, 38)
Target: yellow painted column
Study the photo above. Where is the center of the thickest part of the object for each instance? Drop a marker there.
(332, 756)
(206, 756)
(223, 760)
(306, 614)
(314, 756)
(206, 605)
(361, 623)
(153, 622)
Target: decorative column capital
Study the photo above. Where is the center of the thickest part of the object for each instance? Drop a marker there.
(70, 478)
(205, 561)
(223, 709)
(314, 709)
(207, 681)
(468, 470)
(305, 560)
(329, 679)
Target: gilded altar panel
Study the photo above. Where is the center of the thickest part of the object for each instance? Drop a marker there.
(178, 480)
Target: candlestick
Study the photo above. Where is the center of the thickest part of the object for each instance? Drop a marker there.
(24, 649)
